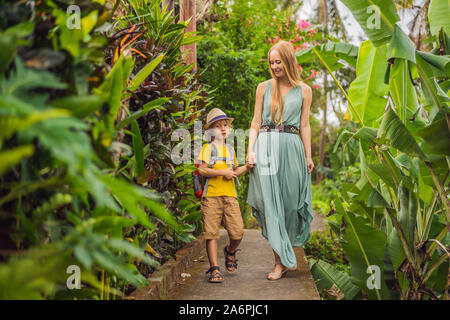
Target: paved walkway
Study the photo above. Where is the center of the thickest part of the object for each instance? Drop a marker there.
(250, 282)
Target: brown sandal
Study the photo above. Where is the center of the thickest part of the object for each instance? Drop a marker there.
(214, 277)
(230, 263)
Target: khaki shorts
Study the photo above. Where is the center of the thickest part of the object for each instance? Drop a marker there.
(222, 210)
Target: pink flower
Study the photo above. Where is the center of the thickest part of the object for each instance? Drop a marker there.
(316, 86)
(249, 21)
(313, 74)
(300, 68)
(302, 24)
(299, 38)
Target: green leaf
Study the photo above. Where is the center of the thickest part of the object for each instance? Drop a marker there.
(121, 245)
(438, 15)
(138, 148)
(376, 200)
(408, 212)
(402, 89)
(441, 63)
(331, 52)
(401, 46)
(325, 275)
(364, 246)
(12, 157)
(79, 106)
(83, 255)
(393, 129)
(436, 137)
(376, 17)
(144, 73)
(13, 124)
(8, 45)
(23, 79)
(89, 22)
(368, 91)
(113, 264)
(149, 106)
(130, 198)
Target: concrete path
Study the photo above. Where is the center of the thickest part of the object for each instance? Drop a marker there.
(250, 282)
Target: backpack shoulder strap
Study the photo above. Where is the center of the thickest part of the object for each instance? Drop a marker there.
(231, 152)
(213, 156)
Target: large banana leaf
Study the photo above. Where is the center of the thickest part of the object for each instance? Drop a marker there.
(440, 65)
(402, 90)
(376, 17)
(438, 15)
(398, 136)
(408, 212)
(401, 46)
(437, 137)
(364, 246)
(325, 275)
(332, 53)
(368, 91)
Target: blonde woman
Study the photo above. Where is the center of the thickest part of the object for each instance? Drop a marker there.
(279, 154)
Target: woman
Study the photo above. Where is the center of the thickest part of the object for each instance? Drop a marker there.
(280, 178)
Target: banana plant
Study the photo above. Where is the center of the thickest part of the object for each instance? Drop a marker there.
(396, 217)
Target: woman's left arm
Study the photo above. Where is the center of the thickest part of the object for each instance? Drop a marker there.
(305, 128)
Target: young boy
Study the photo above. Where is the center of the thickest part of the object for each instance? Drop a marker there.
(219, 201)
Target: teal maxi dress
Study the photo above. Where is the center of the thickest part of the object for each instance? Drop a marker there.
(280, 184)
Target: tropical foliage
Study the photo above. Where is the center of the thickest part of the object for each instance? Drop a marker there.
(393, 223)
(84, 170)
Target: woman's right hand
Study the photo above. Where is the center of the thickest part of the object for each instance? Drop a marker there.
(251, 159)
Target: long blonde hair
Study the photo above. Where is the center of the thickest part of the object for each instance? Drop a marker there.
(287, 54)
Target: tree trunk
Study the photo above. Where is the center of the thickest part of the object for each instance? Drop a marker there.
(188, 10)
(323, 16)
(169, 4)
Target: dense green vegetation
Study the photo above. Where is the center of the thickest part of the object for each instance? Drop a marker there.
(86, 177)
(88, 108)
(396, 215)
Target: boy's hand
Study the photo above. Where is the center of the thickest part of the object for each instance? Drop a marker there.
(229, 174)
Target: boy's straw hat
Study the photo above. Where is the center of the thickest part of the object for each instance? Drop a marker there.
(214, 115)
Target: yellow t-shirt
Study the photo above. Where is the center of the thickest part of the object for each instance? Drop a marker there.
(218, 186)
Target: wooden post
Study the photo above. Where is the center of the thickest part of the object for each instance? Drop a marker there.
(188, 10)
(169, 4)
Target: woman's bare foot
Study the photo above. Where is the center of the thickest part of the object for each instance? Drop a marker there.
(277, 272)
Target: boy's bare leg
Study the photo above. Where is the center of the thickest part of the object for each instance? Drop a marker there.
(211, 250)
(234, 244)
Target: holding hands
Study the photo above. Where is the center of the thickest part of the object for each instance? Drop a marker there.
(250, 160)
